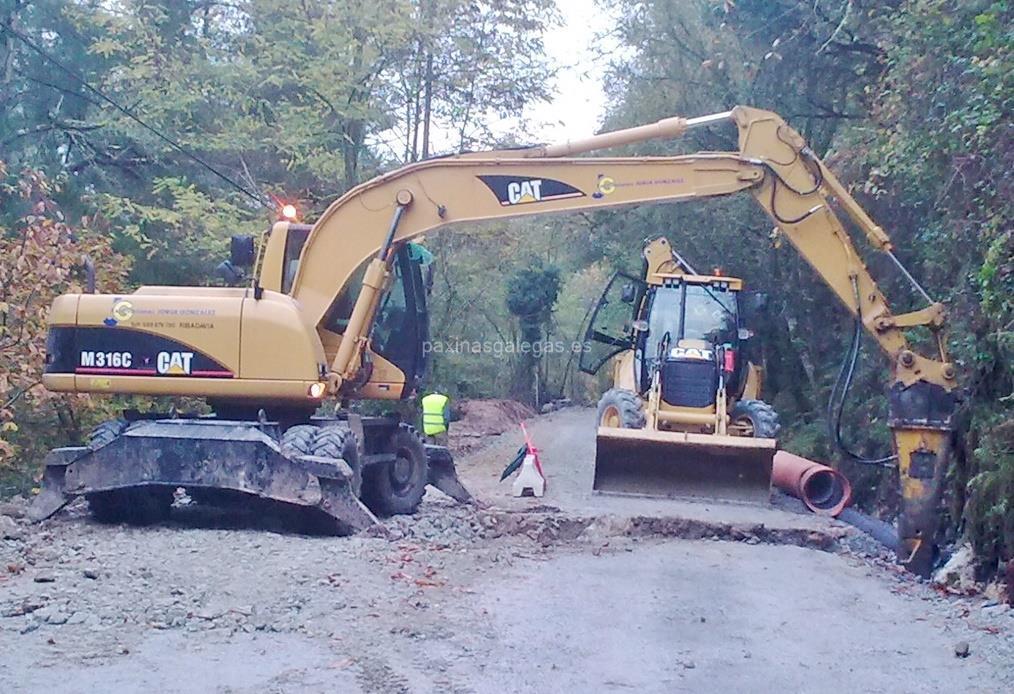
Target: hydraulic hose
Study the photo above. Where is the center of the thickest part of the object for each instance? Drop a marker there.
(843, 383)
(882, 532)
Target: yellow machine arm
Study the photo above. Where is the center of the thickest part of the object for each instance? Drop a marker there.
(773, 164)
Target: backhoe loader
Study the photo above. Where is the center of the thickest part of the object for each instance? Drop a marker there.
(339, 309)
(683, 417)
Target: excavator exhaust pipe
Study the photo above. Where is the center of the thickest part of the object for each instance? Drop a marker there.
(683, 465)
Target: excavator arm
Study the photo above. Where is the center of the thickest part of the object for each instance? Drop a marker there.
(773, 164)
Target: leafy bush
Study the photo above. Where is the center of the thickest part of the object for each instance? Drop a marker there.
(41, 256)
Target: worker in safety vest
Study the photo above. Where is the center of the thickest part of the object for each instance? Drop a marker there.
(436, 417)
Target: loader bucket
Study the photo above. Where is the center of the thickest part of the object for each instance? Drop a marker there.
(681, 465)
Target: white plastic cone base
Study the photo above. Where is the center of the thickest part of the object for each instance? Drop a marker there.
(529, 481)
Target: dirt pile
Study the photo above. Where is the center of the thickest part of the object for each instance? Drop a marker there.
(479, 419)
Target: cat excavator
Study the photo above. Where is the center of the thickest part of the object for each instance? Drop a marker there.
(338, 309)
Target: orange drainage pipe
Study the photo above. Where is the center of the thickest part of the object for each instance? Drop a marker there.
(823, 490)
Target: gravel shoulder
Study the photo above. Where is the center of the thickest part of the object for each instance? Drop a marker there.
(549, 595)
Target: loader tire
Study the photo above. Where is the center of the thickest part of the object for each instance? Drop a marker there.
(757, 418)
(397, 488)
(298, 440)
(340, 442)
(621, 409)
(105, 433)
(143, 506)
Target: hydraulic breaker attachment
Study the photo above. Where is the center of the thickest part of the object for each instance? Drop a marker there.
(201, 455)
(683, 465)
(921, 421)
(444, 476)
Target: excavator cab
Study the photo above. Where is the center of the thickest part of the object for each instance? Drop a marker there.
(681, 418)
(397, 359)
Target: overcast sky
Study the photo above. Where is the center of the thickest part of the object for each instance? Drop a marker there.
(579, 106)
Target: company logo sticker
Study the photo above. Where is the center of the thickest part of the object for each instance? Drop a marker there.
(121, 312)
(174, 363)
(606, 185)
(524, 190)
(691, 353)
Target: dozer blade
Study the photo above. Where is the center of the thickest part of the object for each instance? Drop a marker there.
(680, 465)
(216, 455)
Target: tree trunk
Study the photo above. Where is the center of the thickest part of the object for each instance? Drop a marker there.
(428, 105)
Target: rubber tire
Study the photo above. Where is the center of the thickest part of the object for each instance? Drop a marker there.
(627, 403)
(298, 440)
(105, 433)
(340, 442)
(761, 415)
(139, 506)
(382, 494)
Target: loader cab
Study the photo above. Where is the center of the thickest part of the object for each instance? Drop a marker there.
(664, 319)
(689, 318)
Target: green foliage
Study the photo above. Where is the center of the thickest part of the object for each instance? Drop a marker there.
(299, 101)
(531, 295)
(532, 292)
(182, 223)
(989, 513)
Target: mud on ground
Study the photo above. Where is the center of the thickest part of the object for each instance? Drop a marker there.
(477, 421)
(553, 594)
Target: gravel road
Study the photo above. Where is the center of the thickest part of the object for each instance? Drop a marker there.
(556, 594)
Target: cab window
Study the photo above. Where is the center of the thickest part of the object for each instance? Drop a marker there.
(338, 315)
(295, 239)
(710, 315)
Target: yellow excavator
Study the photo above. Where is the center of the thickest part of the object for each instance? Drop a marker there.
(683, 417)
(339, 309)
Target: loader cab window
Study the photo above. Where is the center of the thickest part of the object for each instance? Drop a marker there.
(691, 312)
(709, 315)
(663, 324)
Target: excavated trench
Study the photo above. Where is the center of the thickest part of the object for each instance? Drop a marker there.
(549, 526)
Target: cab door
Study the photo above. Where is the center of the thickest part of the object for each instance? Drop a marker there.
(610, 328)
(401, 326)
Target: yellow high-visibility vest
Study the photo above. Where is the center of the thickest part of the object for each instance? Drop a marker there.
(436, 413)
